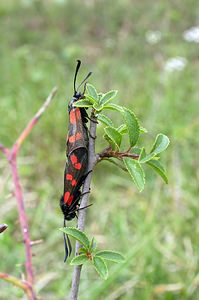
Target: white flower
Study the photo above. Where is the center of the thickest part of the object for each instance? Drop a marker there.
(153, 37)
(192, 34)
(175, 64)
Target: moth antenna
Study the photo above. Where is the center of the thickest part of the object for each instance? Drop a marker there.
(84, 88)
(76, 72)
(89, 74)
(69, 245)
(65, 243)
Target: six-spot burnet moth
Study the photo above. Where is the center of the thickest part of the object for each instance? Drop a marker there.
(77, 158)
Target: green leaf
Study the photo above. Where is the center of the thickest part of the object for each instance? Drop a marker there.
(98, 107)
(105, 120)
(114, 107)
(113, 146)
(108, 97)
(78, 235)
(111, 255)
(93, 244)
(157, 166)
(82, 250)
(100, 267)
(91, 90)
(114, 136)
(122, 129)
(145, 157)
(91, 99)
(135, 170)
(79, 260)
(143, 130)
(160, 144)
(83, 103)
(142, 154)
(137, 150)
(132, 126)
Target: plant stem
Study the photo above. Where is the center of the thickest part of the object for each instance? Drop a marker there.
(11, 155)
(108, 152)
(23, 219)
(35, 119)
(19, 283)
(92, 160)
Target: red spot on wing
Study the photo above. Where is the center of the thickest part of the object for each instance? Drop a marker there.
(75, 137)
(69, 177)
(77, 166)
(78, 114)
(78, 136)
(68, 198)
(73, 159)
(74, 182)
(74, 115)
(72, 139)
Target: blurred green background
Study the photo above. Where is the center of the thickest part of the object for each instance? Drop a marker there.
(148, 51)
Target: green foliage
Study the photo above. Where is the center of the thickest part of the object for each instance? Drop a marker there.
(135, 170)
(160, 144)
(79, 260)
(91, 92)
(106, 98)
(89, 253)
(100, 266)
(114, 107)
(157, 166)
(77, 234)
(105, 120)
(83, 103)
(110, 255)
(114, 136)
(132, 126)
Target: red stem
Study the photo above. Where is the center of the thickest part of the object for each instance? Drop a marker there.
(11, 155)
(22, 218)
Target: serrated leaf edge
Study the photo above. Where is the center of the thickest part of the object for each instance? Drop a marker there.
(140, 190)
(103, 277)
(118, 146)
(132, 113)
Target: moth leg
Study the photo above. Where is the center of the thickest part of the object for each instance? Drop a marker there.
(93, 137)
(85, 207)
(84, 193)
(93, 121)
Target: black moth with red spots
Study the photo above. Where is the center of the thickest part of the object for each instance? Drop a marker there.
(77, 158)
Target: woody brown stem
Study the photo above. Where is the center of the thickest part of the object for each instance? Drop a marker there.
(108, 153)
(84, 202)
